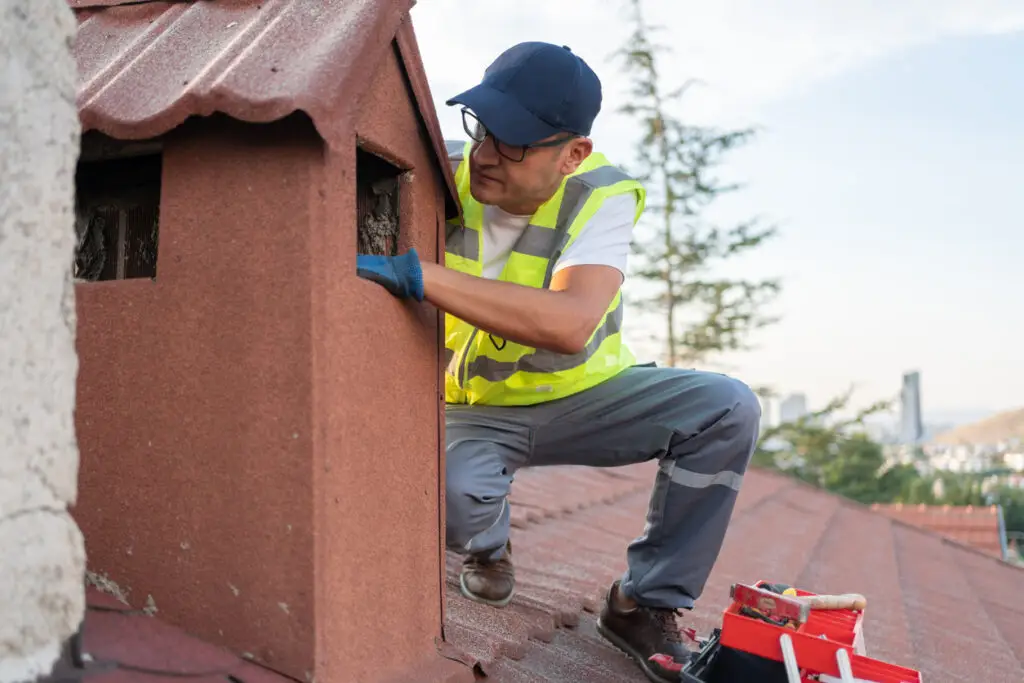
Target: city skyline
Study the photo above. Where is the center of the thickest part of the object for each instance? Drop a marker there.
(906, 422)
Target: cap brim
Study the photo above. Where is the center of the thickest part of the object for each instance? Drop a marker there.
(503, 116)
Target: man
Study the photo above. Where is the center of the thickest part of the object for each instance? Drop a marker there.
(538, 373)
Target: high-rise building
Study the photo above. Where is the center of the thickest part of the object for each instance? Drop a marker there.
(911, 427)
(792, 408)
(767, 412)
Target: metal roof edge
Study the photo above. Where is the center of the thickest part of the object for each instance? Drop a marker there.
(1002, 533)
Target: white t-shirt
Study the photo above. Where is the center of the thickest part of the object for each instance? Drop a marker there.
(604, 241)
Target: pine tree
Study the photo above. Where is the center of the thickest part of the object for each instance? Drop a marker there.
(703, 314)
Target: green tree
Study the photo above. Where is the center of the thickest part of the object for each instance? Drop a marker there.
(961, 489)
(920, 490)
(898, 483)
(835, 454)
(854, 471)
(703, 314)
(1012, 501)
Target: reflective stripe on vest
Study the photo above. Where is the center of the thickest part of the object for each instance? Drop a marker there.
(483, 369)
(541, 360)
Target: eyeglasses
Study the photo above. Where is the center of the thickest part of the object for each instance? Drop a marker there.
(516, 153)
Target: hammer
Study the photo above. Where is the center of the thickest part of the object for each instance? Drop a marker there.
(842, 601)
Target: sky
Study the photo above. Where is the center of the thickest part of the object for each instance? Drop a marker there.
(890, 137)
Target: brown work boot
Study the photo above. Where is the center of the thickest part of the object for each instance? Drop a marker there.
(491, 582)
(642, 632)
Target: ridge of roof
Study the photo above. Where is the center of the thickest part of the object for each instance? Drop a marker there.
(87, 4)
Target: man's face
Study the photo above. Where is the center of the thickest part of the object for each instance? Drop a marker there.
(520, 187)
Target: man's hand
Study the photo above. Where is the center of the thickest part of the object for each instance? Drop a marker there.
(401, 275)
(559, 319)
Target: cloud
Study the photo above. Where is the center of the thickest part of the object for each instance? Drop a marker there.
(747, 52)
(752, 54)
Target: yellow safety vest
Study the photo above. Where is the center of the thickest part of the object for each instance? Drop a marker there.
(484, 369)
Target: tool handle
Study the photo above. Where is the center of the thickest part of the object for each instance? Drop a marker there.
(844, 601)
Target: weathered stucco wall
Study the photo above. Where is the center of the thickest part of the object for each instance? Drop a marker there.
(42, 598)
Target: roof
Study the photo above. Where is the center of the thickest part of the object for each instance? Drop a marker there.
(146, 66)
(933, 604)
(979, 527)
(125, 645)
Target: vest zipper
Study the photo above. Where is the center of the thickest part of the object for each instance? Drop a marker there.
(464, 361)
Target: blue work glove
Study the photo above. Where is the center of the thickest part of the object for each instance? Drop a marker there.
(401, 275)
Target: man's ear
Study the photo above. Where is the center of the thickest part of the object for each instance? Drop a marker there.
(576, 153)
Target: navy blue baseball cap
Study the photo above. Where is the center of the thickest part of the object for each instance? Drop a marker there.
(532, 91)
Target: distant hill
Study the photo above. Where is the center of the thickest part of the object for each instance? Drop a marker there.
(991, 430)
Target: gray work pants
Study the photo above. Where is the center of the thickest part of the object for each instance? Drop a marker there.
(701, 426)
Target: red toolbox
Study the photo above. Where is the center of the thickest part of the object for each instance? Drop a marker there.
(811, 644)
